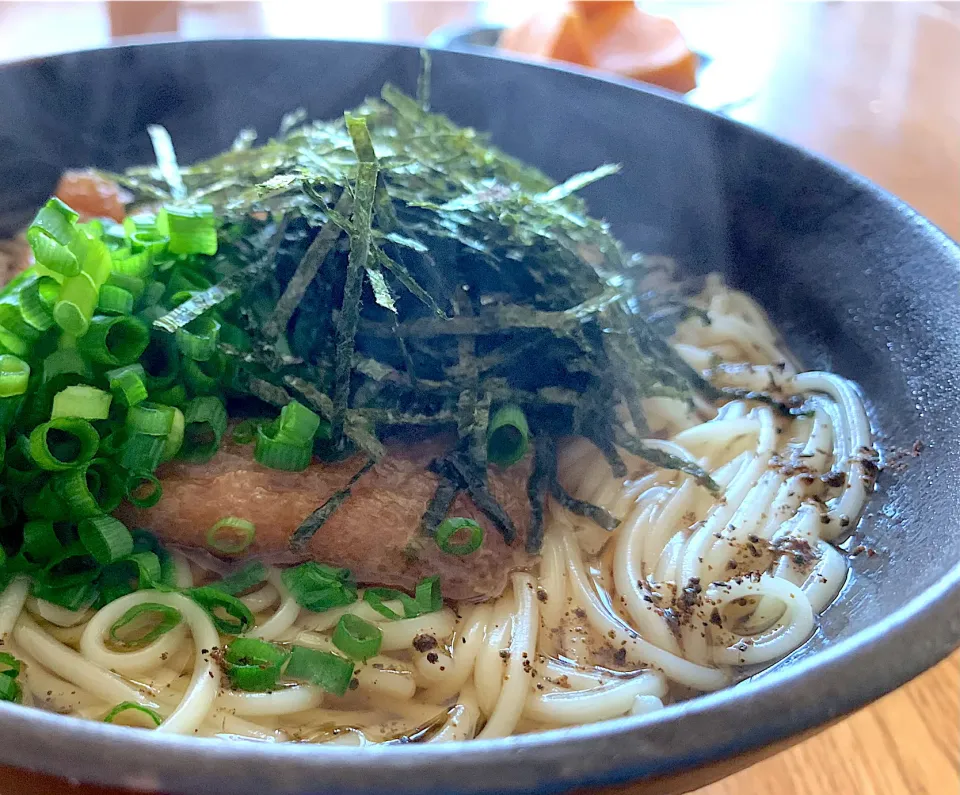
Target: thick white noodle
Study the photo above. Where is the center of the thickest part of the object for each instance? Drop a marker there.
(286, 615)
(12, 600)
(610, 700)
(74, 667)
(516, 686)
(278, 702)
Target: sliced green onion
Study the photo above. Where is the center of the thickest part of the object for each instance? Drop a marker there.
(204, 377)
(136, 265)
(175, 396)
(51, 233)
(85, 402)
(9, 665)
(91, 489)
(11, 319)
(63, 443)
(134, 285)
(14, 375)
(298, 424)
(235, 336)
(136, 571)
(153, 243)
(231, 535)
(323, 668)
(358, 639)
(152, 419)
(9, 514)
(75, 596)
(277, 454)
(131, 706)
(142, 452)
(468, 531)
(185, 280)
(160, 619)
(254, 665)
(245, 432)
(243, 579)
(36, 302)
(9, 411)
(65, 367)
(105, 538)
(109, 487)
(74, 566)
(192, 230)
(10, 689)
(137, 491)
(205, 423)
(161, 362)
(40, 542)
(45, 503)
(76, 304)
(145, 541)
(508, 436)
(377, 598)
(115, 340)
(152, 294)
(318, 587)
(198, 339)
(115, 300)
(174, 439)
(128, 384)
(229, 614)
(428, 594)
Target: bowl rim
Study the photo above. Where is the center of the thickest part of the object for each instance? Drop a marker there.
(614, 751)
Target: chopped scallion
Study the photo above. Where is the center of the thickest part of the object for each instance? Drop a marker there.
(85, 402)
(14, 375)
(231, 535)
(358, 639)
(459, 536)
(130, 706)
(105, 538)
(150, 621)
(318, 587)
(327, 670)
(508, 436)
(254, 665)
(229, 614)
(63, 443)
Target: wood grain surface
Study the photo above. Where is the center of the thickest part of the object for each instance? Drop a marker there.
(875, 87)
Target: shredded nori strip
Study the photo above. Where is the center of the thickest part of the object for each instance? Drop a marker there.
(364, 190)
(597, 514)
(538, 486)
(306, 271)
(316, 520)
(227, 288)
(394, 217)
(439, 506)
(792, 407)
(458, 469)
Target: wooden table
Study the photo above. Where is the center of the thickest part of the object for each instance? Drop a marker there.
(876, 87)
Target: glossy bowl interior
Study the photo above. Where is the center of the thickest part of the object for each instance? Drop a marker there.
(859, 283)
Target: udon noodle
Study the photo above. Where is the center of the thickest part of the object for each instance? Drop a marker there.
(690, 587)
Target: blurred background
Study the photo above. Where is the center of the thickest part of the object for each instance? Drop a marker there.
(870, 84)
(874, 86)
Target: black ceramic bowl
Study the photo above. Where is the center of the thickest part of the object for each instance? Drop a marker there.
(858, 281)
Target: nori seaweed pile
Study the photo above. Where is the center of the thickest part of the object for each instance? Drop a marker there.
(396, 271)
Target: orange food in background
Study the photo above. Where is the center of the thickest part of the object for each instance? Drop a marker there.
(93, 196)
(611, 36)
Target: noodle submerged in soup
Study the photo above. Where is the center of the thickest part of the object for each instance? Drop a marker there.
(501, 520)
